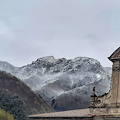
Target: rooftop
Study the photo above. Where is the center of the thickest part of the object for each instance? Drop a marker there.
(71, 113)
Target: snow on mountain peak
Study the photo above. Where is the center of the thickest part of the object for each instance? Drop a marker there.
(5, 66)
(50, 59)
(86, 60)
(61, 75)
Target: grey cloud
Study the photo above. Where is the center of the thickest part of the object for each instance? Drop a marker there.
(63, 28)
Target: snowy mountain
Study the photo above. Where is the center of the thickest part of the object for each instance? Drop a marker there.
(53, 78)
(5, 66)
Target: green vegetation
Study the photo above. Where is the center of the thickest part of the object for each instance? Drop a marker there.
(5, 116)
(13, 105)
(18, 99)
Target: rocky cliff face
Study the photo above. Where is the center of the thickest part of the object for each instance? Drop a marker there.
(56, 78)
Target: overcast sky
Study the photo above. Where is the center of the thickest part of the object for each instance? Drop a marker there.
(30, 29)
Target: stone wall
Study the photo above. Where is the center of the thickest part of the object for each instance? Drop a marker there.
(106, 118)
(82, 118)
(65, 118)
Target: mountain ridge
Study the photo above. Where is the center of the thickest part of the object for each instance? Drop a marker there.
(52, 77)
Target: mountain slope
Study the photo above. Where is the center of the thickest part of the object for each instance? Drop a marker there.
(5, 116)
(5, 66)
(54, 78)
(11, 86)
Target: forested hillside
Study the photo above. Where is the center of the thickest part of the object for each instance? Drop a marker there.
(17, 98)
(5, 116)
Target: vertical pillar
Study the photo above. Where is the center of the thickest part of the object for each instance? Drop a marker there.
(115, 101)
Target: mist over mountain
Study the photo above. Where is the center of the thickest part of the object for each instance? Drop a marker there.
(58, 79)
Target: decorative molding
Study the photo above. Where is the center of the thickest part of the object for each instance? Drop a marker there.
(116, 69)
(99, 102)
(115, 54)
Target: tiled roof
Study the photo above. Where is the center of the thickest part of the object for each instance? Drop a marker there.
(71, 113)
